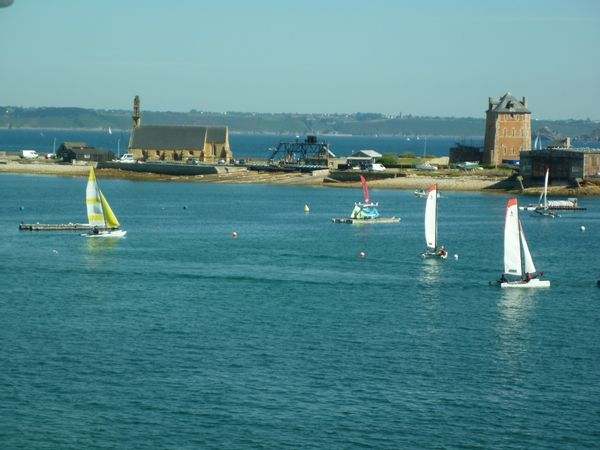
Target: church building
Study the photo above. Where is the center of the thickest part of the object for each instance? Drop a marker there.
(507, 130)
(208, 144)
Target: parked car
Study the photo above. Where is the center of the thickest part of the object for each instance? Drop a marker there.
(127, 158)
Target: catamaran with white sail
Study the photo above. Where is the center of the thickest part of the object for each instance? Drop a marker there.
(519, 270)
(101, 217)
(431, 234)
(543, 206)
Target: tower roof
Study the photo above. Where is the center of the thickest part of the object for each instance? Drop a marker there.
(509, 104)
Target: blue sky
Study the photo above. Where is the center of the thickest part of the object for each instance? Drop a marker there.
(426, 57)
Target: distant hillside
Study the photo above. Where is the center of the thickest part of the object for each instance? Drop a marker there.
(280, 123)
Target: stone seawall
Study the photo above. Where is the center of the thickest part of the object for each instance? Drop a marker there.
(166, 168)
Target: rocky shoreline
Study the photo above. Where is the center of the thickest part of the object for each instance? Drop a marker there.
(467, 182)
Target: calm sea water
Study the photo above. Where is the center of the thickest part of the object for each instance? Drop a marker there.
(180, 336)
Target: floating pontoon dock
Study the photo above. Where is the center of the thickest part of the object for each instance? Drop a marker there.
(54, 226)
(365, 221)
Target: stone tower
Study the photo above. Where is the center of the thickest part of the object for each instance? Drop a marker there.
(507, 130)
(137, 112)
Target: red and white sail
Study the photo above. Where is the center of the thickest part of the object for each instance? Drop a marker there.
(512, 238)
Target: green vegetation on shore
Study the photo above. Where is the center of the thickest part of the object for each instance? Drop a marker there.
(284, 123)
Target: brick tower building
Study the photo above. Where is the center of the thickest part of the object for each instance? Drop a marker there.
(507, 130)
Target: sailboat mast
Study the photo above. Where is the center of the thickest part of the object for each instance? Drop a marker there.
(103, 209)
(435, 241)
(546, 188)
(521, 251)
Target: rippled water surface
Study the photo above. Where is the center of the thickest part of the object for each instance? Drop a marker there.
(180, 336)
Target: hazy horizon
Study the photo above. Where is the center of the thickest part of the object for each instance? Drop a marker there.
(404, 116)
(431, 59)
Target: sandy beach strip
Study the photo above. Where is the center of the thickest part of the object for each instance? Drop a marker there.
(252, 177)
(467, 182)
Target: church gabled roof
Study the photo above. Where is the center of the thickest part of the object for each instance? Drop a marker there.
(176, 137)
(216, 135)
(509, 104)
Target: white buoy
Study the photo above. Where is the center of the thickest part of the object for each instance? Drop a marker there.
(54, 251)
(582, 228)
(456, 257)
(362, 254)
(234, 234)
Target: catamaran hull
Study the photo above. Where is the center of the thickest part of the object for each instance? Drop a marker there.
(367, 221)
(107, 234)
(434, 255)
(531, 284)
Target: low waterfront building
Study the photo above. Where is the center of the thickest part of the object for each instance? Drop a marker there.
(81, 152)
(507, 130)
(209, 144)
(363, 158)
(565, 164)
(465, 153)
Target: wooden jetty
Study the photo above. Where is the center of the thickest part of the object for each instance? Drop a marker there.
(365, 221)
(54, 226)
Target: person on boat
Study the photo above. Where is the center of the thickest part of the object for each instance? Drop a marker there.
(527, 277)
(95, 230)
(443, 252)
(503, 279)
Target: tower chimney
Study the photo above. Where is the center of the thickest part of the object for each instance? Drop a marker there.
(525, 101)
(137, 113)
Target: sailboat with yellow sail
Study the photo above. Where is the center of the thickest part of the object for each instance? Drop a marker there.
(101, 218)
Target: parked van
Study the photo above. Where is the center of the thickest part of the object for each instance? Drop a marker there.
(29, 154)
(127, 158)
(376, 167)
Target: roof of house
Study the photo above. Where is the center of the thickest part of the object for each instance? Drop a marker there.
(366, 154)
(90, 151)
(508, 104)
(74, 145)
(176, 137)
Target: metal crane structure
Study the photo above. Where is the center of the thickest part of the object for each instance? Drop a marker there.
(307, 152)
